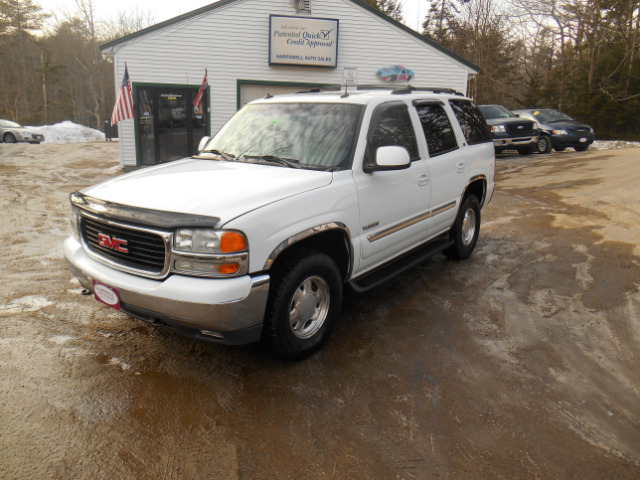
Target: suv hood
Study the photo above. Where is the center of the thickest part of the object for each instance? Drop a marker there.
(208, 187)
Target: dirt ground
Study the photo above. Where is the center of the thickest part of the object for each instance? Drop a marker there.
(520, 363)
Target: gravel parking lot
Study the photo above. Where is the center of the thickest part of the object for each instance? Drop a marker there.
(520, 363)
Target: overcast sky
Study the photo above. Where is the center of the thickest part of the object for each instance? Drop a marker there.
(414, 10)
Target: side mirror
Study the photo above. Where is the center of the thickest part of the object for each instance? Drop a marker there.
(392, 158)
(203, 143)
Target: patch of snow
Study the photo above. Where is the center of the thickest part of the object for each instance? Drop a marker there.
(30, 303)
(69, 132)
(613, 144)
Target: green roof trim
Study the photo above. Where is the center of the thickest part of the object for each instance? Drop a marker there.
(224, 3)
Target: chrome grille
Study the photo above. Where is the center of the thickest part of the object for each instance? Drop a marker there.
(520, 127)
(145, 250)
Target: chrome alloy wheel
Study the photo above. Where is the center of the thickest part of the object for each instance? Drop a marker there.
(309, 307)
(468, 227)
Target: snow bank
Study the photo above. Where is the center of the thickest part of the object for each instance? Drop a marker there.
(69, 132)
(612, 144)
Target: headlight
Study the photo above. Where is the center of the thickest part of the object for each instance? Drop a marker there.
(560, 132)
(195, 240)
(498, 129)
(210, 253)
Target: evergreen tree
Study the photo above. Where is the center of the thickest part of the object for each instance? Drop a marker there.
(391, 8)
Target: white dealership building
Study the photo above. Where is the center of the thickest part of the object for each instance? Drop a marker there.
(252, 48)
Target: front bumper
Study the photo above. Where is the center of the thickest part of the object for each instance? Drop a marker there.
(229, 310)
(30, 137)
(571, 140)
(514, 143)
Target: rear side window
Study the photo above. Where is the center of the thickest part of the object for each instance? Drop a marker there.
(391, 126)
(474, 126)
(437, 129)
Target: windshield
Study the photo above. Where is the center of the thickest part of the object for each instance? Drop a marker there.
(8, 124)
(311, 135)
(550, 116)
(495, 111)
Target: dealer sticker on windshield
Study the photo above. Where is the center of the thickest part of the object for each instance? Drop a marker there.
(106, 294)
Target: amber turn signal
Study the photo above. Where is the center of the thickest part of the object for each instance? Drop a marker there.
(232, 242)
(228, 268)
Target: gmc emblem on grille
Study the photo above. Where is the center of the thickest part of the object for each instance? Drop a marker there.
(112, 243)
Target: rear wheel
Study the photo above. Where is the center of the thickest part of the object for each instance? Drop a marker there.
(465, 229)
(304, 303)
(9, 138)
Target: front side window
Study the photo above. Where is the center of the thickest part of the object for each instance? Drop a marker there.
(309, 135)
(391, 126)
(474, 126)
(437, 129)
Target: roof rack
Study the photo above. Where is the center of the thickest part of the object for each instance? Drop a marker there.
(410, 89)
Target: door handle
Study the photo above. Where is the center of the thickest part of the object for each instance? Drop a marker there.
(461, 167)
(423, 179)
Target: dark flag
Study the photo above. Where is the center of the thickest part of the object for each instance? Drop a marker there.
(204, 85)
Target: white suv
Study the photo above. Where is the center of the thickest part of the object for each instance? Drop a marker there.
(296, 197)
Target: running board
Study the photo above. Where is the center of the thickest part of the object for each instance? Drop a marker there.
(398, 265)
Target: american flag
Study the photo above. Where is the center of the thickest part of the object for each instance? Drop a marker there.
(204, 85)
(123, 108)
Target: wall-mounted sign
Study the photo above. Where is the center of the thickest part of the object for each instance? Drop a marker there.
(395, 74)
(303, 41)
(350, 76)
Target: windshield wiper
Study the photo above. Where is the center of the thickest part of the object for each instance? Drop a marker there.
(227, 156)
(289, 162)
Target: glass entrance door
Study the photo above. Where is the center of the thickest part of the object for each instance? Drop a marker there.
(169, 126)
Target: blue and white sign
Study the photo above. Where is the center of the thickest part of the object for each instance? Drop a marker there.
(303, 41)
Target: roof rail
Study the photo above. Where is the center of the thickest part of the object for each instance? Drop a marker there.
(410, 89)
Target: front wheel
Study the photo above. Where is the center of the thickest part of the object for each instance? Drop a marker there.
(581, 148)
(304, 303)
(527, 150)
(465, 229)
(10, 138)
(544, 144)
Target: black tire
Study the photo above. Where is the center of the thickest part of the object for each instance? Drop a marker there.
(544, 144)
(581, 148)
(9, 137)
(527, 150)
(559, 149)
(465, 229)
(304, 303)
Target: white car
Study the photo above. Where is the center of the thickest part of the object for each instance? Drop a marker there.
(296, 197)
(12, 132)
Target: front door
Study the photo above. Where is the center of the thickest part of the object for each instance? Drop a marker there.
(169, 126)
(394, 205)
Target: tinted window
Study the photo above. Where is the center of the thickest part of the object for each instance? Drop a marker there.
(473, 124)
(437, 129)
(495, 111)
(391, 126)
